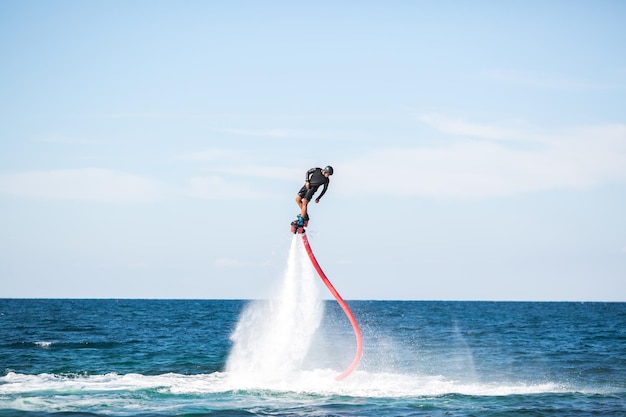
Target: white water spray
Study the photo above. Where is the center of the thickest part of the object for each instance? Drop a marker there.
(273, 337)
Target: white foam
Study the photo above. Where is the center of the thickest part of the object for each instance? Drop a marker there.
(316, 382)
(273, 337)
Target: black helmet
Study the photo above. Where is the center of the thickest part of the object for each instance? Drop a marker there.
(329, 169)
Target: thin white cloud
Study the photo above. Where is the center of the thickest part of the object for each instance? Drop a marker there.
(147, 115)
(576, 158)
(258, 171)
(230, 162)
(88, 184)
(212, 155)
(217, 188)
(107, 186)
(274, 133)
(459, 127)
(235, 263)
(550, 81)
(227, 263)
(66, 140)
(271, 133)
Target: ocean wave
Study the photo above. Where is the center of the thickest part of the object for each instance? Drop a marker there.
(303, 393)
(315, 382)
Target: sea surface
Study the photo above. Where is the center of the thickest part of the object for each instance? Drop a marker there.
(280, 357)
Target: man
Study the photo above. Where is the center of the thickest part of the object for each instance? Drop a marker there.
(314, 178)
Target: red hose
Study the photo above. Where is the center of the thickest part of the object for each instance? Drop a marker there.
(344, 306)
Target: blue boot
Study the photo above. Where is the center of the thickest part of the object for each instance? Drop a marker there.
(300, 221)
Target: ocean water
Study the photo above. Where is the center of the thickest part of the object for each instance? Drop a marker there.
(280, 357)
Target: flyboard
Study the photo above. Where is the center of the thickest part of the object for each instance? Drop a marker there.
(298, 227)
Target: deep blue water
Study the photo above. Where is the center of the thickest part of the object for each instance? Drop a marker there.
(169, 357)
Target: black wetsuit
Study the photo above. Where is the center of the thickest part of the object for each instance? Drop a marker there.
(315, 178)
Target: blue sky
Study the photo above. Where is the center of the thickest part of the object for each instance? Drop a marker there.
(153, 149)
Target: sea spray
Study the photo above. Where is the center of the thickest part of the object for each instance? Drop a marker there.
(273, 336)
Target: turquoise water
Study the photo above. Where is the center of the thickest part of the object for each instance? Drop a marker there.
(280, 357)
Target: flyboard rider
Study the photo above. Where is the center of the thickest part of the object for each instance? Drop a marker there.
(315, 177)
